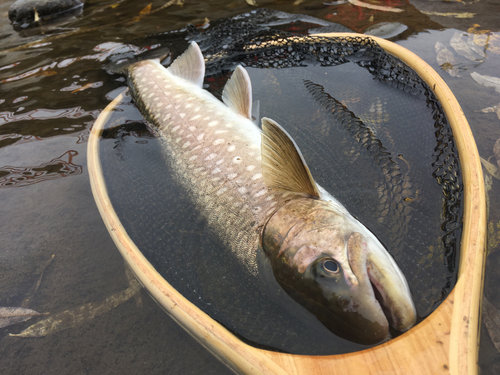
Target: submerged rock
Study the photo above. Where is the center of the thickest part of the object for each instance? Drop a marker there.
(23, 11)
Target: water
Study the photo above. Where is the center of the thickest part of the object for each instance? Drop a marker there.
(53, 92)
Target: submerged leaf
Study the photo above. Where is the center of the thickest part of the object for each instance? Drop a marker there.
(496, 148)
(449, 14)
(491, 168)
(462, 47)
(445, 59)
(72, 318)
(486, 81)
(495, 109)
(491, 319)
(146, 10)
(14, 315)
(359, 3)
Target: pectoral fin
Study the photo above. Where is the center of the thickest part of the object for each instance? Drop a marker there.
(190, 65)
(238, 93)
(283, 166)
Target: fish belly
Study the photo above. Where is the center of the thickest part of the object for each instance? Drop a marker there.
(214, 153)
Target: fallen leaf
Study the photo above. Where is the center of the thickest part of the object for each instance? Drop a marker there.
(491, 168)
(38, 282)
(486, 81)
(445, 59)
(491, 319)
(496, 148)
(146, 9)
(91, 85)
(449, 14)
(37, 17)
(72, 318)
(495, 109)
(461, 47)
(375, 7)
(14, 315)
(251, 2)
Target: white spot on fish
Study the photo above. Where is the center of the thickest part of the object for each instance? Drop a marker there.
(256, 176)
(220, 131)
(178, 139)
(182, 115)
(250, 168)
(211, 156)
(231, 148)
(200, 137)
(189, 105)
(192, 128)
(177, 106)
(236, 204)
(177, 96)
(270, 212)
(215, 179)
(186, 144)
(216, 170)
(218, 142)
(221, 191)
(176, 128)
(231, 176)
(218, 162)
(206, 118)
(213, 123)
(194, 157)
(197, 109)
(150, 95)
(168, 106)
(260, 193)
(237, 160)
(167, 117)
(195, 117)
(242, 190)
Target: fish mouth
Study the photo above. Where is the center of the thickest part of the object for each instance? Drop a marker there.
(381, 286)
(392, 293)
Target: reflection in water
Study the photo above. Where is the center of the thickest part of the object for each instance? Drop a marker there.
(46, 114)
(56, 168)
(104, 50)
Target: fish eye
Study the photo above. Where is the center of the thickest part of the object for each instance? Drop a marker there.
(330, 266)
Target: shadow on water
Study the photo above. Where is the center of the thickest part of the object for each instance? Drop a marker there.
(53, 86)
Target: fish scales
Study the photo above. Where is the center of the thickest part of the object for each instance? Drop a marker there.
(215, 155)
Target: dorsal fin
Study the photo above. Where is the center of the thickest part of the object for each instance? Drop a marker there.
(190, 65)
(237, 93)
(283, 166)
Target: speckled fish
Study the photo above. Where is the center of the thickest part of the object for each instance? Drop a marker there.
(258, 195)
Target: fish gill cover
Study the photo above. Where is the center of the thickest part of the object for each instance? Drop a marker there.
(373, 134)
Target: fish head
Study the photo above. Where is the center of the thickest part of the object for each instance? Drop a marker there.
(332, 265)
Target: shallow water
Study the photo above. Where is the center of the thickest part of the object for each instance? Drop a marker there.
(50, 95)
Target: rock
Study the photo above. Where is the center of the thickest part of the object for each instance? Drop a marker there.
(23, 11)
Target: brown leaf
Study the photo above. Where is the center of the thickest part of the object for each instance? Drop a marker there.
(491, 319)
(14, 315)
(146, 10)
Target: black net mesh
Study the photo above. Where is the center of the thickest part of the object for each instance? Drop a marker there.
(378, 140)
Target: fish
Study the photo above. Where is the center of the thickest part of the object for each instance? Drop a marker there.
(258, 196)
